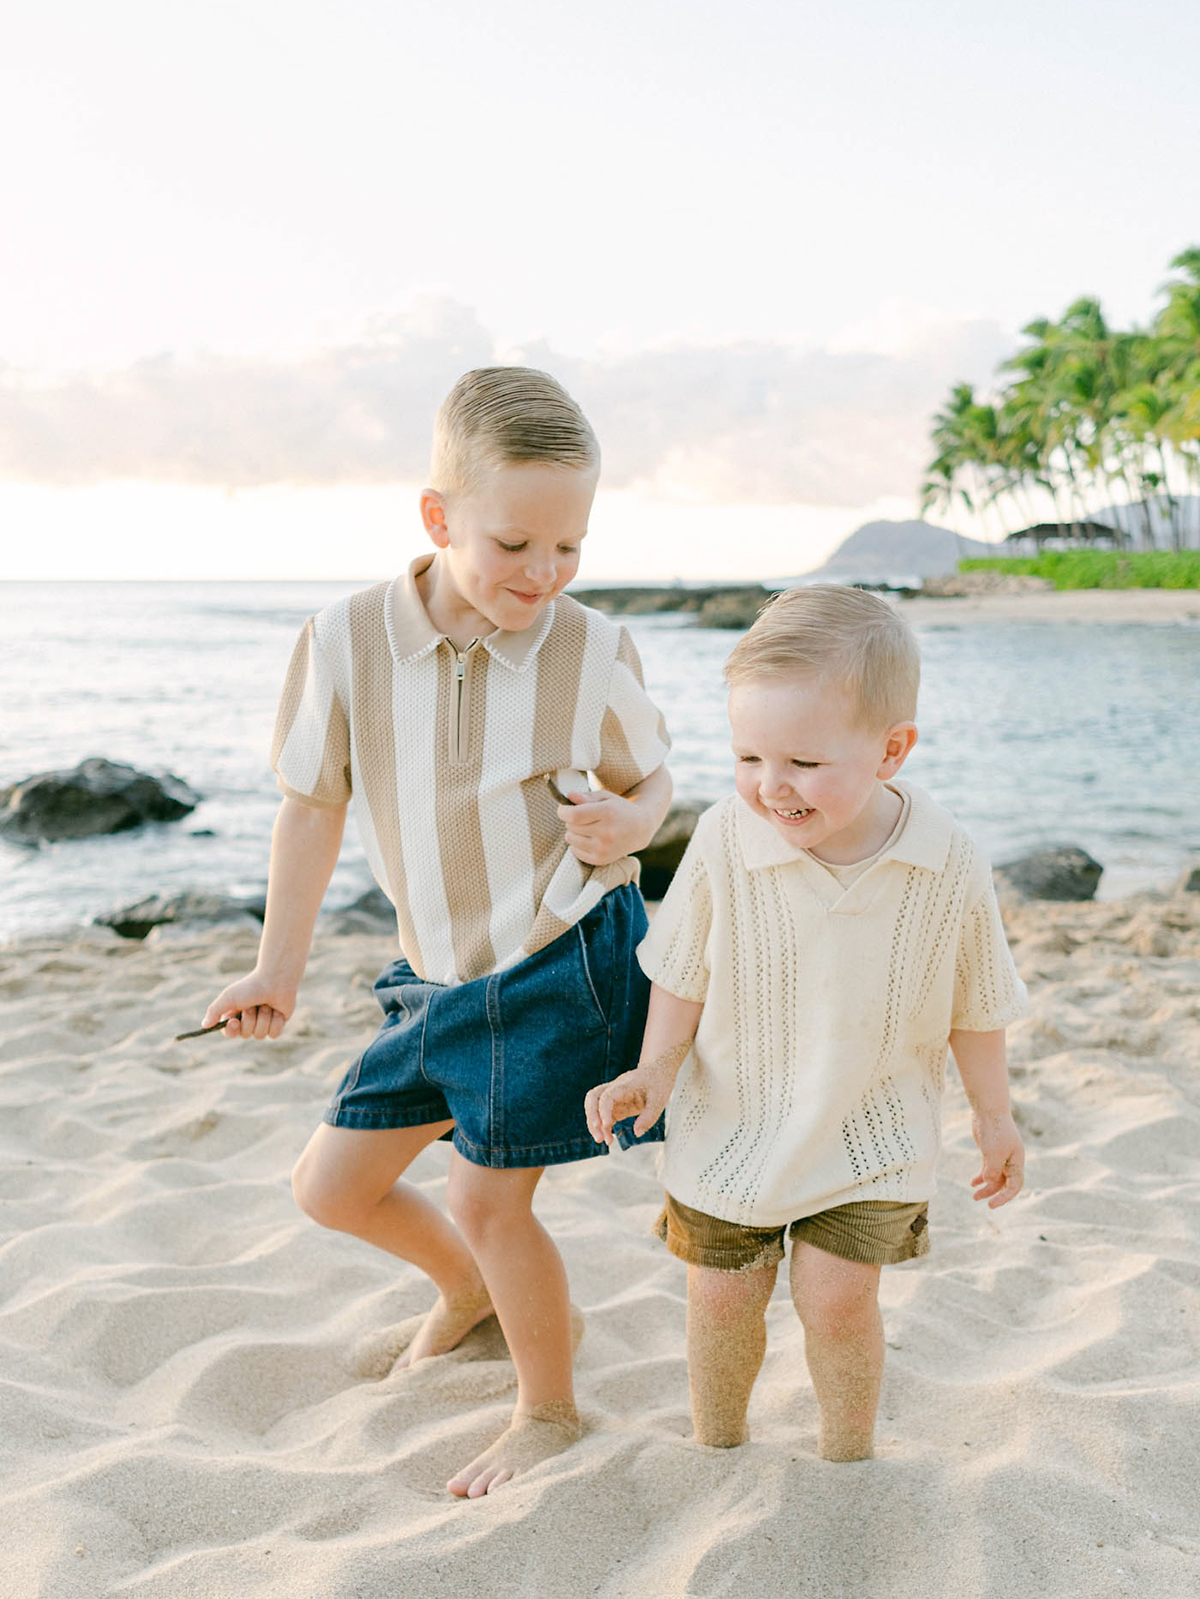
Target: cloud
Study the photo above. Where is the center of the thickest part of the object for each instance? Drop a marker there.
(753, 422)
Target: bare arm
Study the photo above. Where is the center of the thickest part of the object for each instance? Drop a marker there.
(981, 1063)
(602, 827)
(670, 1028)
(304, 850)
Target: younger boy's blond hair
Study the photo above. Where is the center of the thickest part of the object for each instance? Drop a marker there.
(842, 635)
(507, 416)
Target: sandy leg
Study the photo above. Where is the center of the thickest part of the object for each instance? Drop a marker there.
(838, 1302)
(726, 1341)
(527, 1281)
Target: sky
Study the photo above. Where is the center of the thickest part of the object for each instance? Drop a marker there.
(250, 244)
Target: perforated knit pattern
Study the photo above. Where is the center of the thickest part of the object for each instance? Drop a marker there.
(681, 942)
(445, 753)
(816, 1074)
(983, 990)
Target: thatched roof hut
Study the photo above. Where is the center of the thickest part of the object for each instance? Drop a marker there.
(1070, 534)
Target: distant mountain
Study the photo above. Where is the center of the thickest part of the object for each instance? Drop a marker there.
(882, 552)
(908, 552)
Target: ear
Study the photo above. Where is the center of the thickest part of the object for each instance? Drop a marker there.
(899, 740)
(433, 515)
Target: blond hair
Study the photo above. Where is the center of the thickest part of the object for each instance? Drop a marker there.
(842, 635)
(506, 416)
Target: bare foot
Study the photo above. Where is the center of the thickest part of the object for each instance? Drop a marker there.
(446, 1325)
(389, 1349)
(533, 1436)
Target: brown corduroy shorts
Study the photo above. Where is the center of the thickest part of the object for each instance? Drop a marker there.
(875, 1232)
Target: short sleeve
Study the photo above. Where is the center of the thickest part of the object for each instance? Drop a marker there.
(633, 735)
(673, 953)
(310, 752)
(988, 994)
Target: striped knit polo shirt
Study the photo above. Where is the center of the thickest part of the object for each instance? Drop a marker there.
(446, 751)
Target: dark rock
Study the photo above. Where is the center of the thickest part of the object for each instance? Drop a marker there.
(663, 853)
(717, 605)
(967, 585)
(372, 912)
(201, 832)
(373, 903)
(1189, 883)
(630, 601)
(97, 796)
(190, 905)
(1063, 871)
(734, 608)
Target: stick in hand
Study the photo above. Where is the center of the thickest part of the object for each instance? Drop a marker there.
(201, 1031)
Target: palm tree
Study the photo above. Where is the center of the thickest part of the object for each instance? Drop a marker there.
(1177, 330)
(1085, 406)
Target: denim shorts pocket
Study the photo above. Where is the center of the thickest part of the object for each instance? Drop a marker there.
(567, 982)
(594, 936)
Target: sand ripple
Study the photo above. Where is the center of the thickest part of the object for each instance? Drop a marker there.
(196, 1394)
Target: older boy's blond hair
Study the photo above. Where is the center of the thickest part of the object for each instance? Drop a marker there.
(506, 416)
(843, 636)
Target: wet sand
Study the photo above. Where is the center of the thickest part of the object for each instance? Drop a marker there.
(185, 1413)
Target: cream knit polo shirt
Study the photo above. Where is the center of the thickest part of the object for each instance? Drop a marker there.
(445, 753)
(817, 1070)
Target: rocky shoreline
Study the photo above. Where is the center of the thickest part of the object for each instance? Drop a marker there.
(1004, 595)
(48, 807)
(1061, 873)
(721, 605)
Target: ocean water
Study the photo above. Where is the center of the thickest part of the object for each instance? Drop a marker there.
(1031, 733)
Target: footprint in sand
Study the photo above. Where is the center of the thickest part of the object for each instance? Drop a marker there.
(177, 1140)
(374, 1356)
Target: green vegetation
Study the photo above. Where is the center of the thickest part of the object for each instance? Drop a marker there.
(1086, 415)
(1101, 569)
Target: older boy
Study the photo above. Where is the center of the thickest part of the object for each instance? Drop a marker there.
(829, 931)
(442, 701)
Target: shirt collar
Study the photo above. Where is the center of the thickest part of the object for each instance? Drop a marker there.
(411, 634)
(927, 833)
(924, 841)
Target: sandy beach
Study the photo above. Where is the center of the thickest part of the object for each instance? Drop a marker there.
(195, 1402)
(1071, 605)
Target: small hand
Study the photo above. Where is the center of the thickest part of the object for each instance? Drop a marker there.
(602, 827)
(1002, 1174)
(255, 1008)
(642, 1093)
(634, 1093)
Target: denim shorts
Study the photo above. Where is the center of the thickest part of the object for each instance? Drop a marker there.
(510, 1057)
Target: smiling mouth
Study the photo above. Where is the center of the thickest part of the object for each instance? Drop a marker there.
(793, 816)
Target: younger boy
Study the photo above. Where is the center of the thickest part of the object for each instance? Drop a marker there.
(442, 701)
(829, 931)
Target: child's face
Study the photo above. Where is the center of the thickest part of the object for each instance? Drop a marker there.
(804, 763)
(513, 543)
